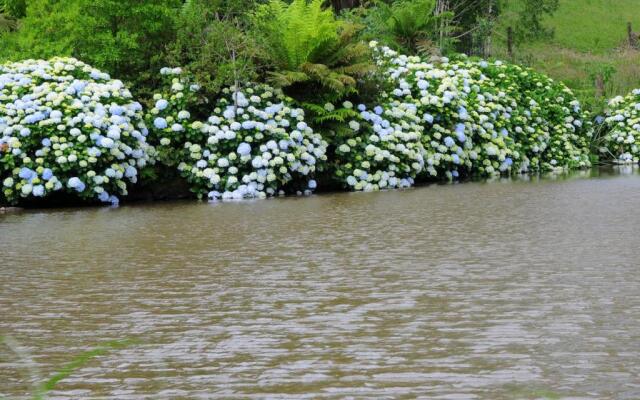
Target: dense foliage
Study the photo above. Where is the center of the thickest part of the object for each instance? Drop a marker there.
(383, 149)
(211, 43)
(271, 97)
(489, 118)
(124, 37)
(313, 54)
(65, 126)
(254, 144)
(621, 141)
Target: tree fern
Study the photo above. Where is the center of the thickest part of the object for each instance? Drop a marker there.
(309, 51)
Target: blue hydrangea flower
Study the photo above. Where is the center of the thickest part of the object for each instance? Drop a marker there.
(162, 104)
(244, 149)
(160, 123)
(27, 174)
(38, 191)
(47, 174)
(448, 141)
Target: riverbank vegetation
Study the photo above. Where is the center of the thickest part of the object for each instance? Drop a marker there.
(259, 98)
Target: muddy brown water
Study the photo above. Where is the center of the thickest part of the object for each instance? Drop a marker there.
(495, 290)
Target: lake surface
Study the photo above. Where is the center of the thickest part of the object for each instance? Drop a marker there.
(494, 290)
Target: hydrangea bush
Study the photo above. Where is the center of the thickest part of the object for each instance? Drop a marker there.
(254, 144)
(67, 127)
(170, 119)
(484, 118)
(382, 150)
(621, 141)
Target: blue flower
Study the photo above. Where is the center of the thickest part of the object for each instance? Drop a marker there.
(76, 183)
(448, 141)
(378, 110)
(244, 149)
(460, 133)
(162, 104)
(27, 174)
(46, 142)
(130, 172)
(47, 174)
(462, 112)
(160, 123)
(116, 109)
(38, 191)
(428, 118)
(313, 184)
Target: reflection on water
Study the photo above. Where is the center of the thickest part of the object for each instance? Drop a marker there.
(499, 290)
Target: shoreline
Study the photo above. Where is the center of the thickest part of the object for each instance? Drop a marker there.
(177, 189)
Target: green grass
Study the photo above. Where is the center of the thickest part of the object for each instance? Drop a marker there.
(590, 39)
(595, 26)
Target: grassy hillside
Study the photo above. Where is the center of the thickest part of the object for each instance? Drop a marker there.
(590, 40)
(595, 26)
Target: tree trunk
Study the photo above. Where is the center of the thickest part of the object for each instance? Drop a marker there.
(510, 41)
(632, 36)
(339, 5)
(599, 86)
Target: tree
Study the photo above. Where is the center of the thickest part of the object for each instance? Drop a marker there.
(529, 25)
(212, 45)
(123, 37)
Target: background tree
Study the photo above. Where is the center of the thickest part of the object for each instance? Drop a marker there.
(529, 25)
(212, 45)
(124, 37)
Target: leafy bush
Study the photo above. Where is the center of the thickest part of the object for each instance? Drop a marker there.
(68, 127)
(123, 37)
(255, 144)
(212, 46)
(621, 141)
(406, 25)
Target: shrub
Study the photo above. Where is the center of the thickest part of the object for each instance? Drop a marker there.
(383, 150)
(486, 118)
(255, 144)
(212, 45)
(621, 141)
(68, 127)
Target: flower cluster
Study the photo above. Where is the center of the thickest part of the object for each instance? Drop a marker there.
(621, 142)
(254, 144)
(382, 148)
(484, 118)
(65, 126)
(169, 118)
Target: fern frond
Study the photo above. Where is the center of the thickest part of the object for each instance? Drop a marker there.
(286, 78)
